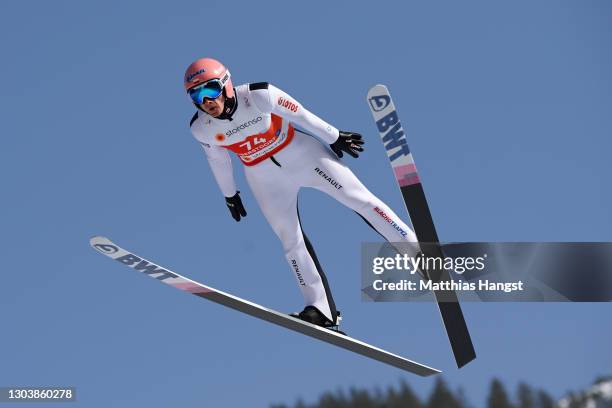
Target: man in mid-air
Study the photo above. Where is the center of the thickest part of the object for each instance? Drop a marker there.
(256, 122)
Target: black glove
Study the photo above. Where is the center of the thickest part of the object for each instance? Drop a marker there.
(235, 206)
(349, 142)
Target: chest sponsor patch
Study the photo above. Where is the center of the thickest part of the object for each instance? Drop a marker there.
(258, 147)
(288, 104)
(243, 126)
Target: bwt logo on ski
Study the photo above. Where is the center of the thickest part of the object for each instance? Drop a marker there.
(395, 136)
(145, 267)
(379, 102)
(106, 248)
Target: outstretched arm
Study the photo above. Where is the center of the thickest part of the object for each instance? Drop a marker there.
(270, 99)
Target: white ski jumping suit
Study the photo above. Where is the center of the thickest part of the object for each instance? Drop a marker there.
(279, 160)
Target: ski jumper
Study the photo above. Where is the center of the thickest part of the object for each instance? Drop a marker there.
(279, 160)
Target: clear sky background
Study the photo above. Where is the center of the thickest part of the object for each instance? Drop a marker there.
(507, 106)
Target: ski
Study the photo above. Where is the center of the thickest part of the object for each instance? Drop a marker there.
(136, 262)
(393, 137)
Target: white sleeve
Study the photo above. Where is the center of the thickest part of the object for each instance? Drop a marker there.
(273, 100)
(221, 166)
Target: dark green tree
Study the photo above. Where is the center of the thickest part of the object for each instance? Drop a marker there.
(361, 399)
(602, 378)
(498, 398)
(525, 396)
(576, 400)
(404, 397)
(333, 400)
(545, 400)
(462, 398)
(442, 396)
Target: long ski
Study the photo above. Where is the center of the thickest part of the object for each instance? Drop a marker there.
(138, 263)
(393, 137)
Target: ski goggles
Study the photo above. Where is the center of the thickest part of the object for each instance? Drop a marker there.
(210, 89)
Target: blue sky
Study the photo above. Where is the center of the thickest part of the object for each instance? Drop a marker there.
(507, 109)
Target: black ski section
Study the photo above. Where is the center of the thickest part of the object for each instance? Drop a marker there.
(450, 309)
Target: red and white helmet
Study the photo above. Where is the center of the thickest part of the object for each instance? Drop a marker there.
(206, 69)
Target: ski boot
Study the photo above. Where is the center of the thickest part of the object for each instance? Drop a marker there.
(312, 315)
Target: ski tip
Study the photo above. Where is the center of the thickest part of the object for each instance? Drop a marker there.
(378, 88)
(98, 239)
